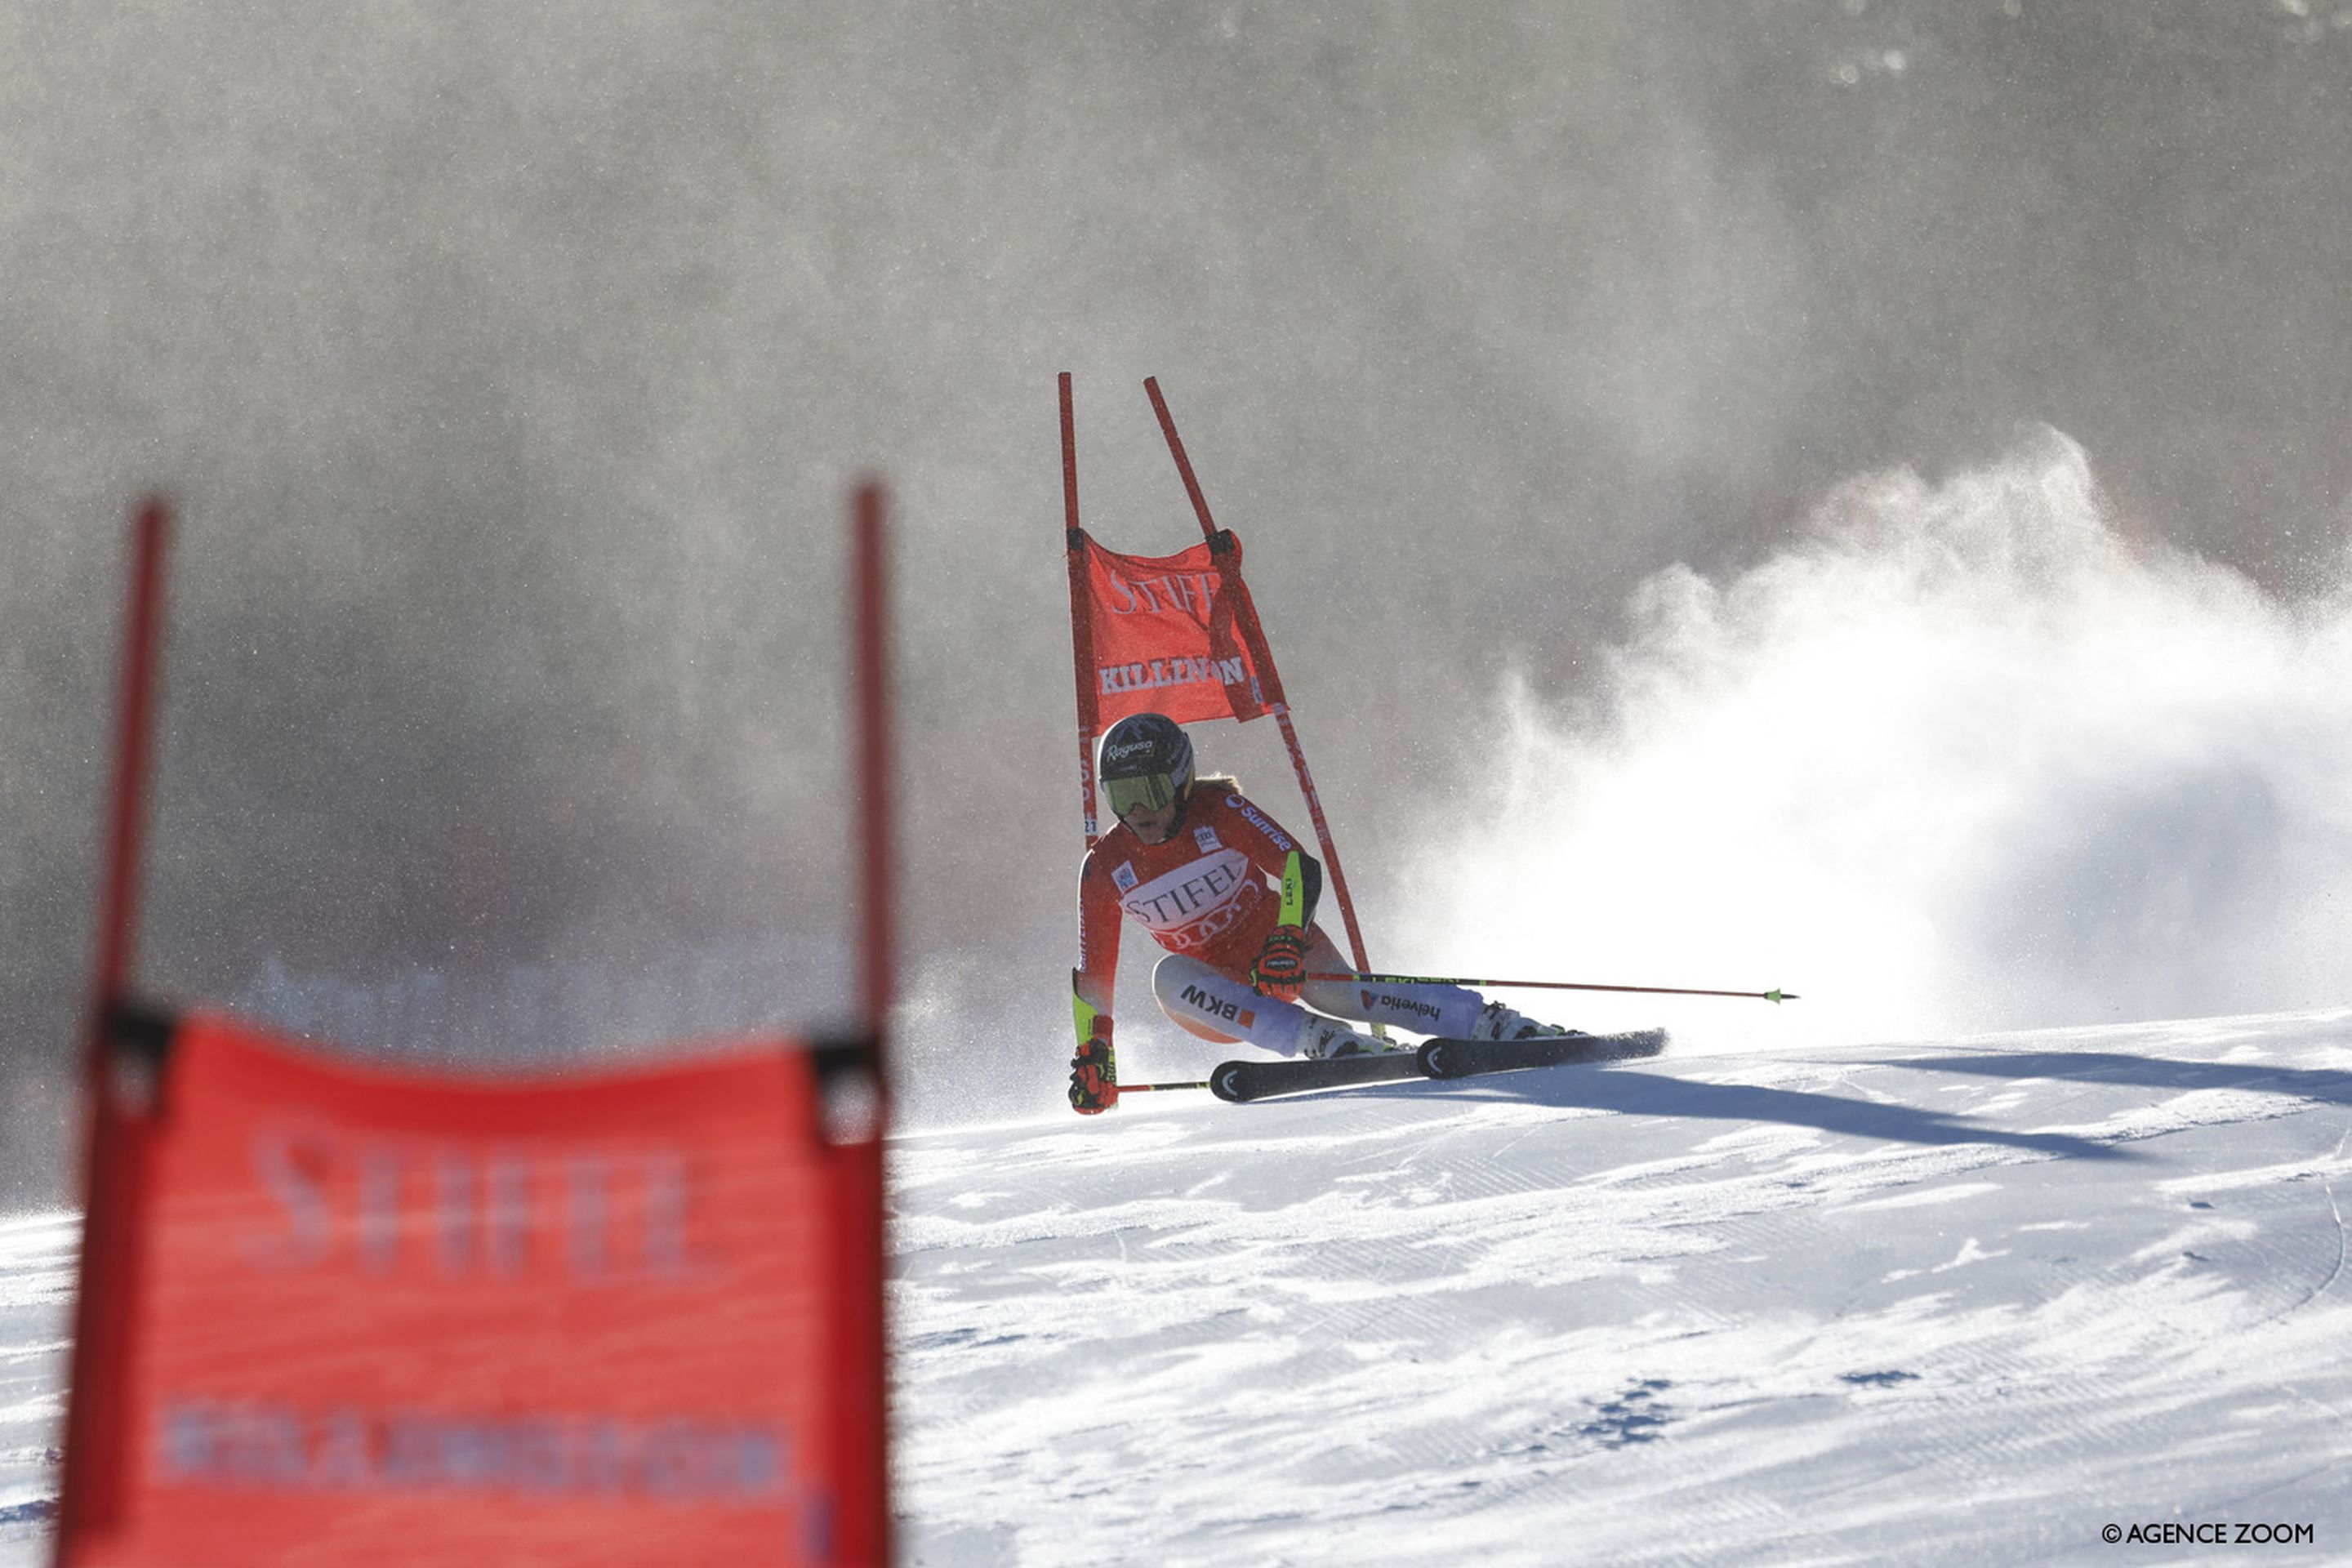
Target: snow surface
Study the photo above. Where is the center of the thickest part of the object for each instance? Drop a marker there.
(1968, 1300)
(1965, 1301)
(37, 1283)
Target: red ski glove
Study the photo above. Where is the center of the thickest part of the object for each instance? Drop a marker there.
(1094, 1076)
(1281, 967)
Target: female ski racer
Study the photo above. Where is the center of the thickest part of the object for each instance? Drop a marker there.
(1190, 861)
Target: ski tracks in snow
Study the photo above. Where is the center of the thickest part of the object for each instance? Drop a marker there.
(38, 1255)
(1865, 1306)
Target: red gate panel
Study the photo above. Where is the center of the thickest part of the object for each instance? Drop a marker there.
(362, 1317)
(1166, 634)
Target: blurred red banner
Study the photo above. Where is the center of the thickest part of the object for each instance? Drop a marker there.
(362, 1317)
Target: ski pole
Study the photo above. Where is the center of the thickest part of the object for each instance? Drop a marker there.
(1150, 1087)
(1353, 977)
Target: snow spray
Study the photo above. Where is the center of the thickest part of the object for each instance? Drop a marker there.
(1969, 757)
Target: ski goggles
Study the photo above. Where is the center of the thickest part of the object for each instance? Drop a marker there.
(1145, 791)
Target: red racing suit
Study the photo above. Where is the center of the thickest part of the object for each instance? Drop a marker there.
(1202, 893)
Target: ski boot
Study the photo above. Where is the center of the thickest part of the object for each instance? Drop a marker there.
(1327, 1039)
(1501, 1023)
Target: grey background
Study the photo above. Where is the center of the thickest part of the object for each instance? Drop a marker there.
(510, 364)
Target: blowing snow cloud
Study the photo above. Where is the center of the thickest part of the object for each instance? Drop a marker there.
(1969, 756)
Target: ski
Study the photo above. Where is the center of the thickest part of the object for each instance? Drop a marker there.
(1239, 1081)
(1465, 1058)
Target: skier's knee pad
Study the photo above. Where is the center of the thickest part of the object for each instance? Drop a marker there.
(1216, 1006)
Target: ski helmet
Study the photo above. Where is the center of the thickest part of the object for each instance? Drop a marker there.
(1146, 762)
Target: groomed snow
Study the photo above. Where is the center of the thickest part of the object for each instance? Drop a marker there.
(1935, 1303)
(37, 1283)
(1968, 1301)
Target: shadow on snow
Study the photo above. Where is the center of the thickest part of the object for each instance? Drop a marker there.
(1631, 1092)
(2156, 1072)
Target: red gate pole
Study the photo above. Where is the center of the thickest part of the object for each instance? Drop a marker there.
(96, 1439)
(1263, 656)
(862, 1423)
(134, 720)
(874, 759)
(1082, 653)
